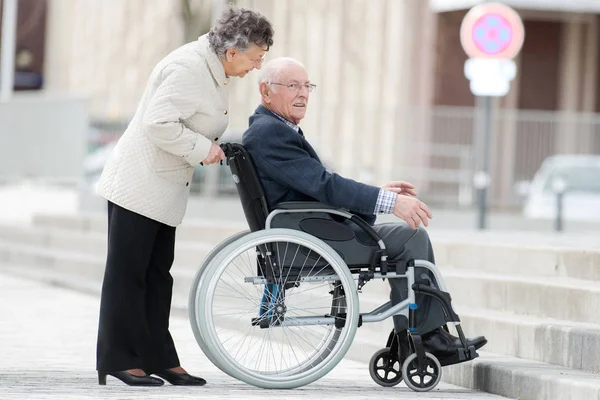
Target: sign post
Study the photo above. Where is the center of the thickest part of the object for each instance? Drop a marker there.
(491, 34)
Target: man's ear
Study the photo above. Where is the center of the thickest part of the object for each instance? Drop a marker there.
(265, 92)
(230, 54)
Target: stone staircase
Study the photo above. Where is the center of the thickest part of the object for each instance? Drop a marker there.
(534, 296)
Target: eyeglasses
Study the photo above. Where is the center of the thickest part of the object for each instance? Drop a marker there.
(257, 62)
(296, 87)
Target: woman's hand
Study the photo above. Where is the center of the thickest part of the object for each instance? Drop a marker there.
(214, 155)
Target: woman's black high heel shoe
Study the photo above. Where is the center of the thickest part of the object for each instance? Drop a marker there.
(131, 380)
(180, 379)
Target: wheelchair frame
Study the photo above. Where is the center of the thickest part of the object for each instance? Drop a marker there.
(256, 211)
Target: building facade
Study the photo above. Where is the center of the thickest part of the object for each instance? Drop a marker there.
(392, 101)
(552, 105)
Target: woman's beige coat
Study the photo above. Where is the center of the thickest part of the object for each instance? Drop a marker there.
(183, 110)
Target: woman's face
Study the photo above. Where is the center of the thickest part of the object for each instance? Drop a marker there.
(240, 63)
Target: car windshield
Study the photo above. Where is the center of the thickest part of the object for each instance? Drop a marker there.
(577, 178)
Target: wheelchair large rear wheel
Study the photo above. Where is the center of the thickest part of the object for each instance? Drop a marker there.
(276, 309)
(192, 303)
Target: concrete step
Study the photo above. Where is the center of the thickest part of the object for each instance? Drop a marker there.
(463, 252)
(528, 254)
(499, 374)
(560, 342)
(560, 298)
(92, 243)
(205, 231)
(563, 343)
(62, 239)
(549, 297)
(504, 375)
(53, 261)
(523, 379)
(78, 264)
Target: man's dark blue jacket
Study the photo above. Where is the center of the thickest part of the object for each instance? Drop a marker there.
(290, 169)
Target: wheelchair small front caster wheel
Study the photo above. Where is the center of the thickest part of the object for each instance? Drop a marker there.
(425, 379)
(385, 368)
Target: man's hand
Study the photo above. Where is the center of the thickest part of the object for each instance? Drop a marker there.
(412, 210)
(401, 187)
(214, 155)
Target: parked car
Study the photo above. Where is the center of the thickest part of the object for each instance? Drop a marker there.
(577, 176)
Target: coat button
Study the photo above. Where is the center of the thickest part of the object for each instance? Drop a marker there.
(225, 112)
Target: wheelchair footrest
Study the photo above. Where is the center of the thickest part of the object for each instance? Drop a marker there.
(460, 356)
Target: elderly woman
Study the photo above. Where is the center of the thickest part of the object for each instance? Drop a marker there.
(178, 123)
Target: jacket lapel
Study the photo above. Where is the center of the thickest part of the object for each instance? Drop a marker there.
(305, 145)
(309, 149)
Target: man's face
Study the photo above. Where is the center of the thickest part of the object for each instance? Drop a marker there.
(243, 62)
(288, 93)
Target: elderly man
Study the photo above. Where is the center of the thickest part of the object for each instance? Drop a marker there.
(290, 170)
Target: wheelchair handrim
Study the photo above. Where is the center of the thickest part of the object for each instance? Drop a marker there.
(227, 255)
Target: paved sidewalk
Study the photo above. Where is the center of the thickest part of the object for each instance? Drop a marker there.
(48, 335)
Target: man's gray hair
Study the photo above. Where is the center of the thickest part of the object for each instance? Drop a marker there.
(239, 28)
(270, 71)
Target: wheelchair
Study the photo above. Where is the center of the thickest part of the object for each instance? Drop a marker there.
(277, 306)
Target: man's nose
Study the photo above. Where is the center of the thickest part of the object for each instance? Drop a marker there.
(304, 90)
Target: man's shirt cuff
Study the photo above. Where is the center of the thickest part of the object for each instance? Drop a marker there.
(385, 202)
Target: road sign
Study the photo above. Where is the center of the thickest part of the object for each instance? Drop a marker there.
(490, 77)
(492, 30)
(491, 34)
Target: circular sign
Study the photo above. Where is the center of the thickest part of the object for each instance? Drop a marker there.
(492, 30)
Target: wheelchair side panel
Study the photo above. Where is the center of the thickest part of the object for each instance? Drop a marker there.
(356, 252)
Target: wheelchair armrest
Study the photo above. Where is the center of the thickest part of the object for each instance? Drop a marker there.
(303, 205)
(308, 206)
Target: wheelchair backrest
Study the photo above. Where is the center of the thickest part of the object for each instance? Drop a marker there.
(248, 185)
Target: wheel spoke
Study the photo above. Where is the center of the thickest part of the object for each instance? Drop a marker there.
(274, 356)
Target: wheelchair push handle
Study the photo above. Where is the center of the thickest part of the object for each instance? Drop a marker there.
(227, 148)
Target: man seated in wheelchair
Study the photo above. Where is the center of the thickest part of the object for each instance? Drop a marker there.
(290, 170)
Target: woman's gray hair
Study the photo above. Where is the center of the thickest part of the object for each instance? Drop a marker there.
(239, 28)
(270, 71)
